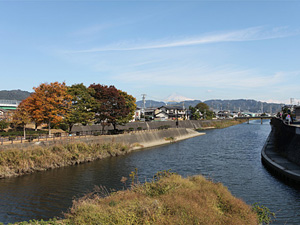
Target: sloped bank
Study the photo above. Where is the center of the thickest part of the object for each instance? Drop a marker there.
(148, 138)
(32, 157)
(191, 124)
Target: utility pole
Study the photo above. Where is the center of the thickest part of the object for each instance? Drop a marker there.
(144, 104)
(144, 101)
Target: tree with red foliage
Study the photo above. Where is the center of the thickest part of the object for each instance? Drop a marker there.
(110, 106)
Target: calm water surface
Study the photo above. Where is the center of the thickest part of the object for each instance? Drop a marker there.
(230, 156)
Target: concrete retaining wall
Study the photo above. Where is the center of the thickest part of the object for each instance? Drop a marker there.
(192, 124)
(286, 140)
(136, 140)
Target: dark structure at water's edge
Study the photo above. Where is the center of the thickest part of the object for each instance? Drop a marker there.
(281, 152)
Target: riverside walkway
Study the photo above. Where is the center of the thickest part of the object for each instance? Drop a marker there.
(277, 163)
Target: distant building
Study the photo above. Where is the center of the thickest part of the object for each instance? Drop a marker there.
(223, 114)
(297, 112)
(172, 112)
(9, 104)
(6, 114)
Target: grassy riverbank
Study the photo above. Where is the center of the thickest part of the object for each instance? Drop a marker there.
(219, 124)
(16, 162)
(170, 199)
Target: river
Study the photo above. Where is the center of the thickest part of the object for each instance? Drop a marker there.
(230, 156)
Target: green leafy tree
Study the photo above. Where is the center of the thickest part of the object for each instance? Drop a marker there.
(195, 115)
(81, 109)
(204, 109)
(130, 105)
(3, 125)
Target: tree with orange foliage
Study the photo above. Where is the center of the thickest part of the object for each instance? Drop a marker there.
(49, 103)
(21, 116)
(33, 105)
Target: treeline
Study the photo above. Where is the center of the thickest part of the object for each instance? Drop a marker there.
(201, 111)
(56, 103)
(18, 95)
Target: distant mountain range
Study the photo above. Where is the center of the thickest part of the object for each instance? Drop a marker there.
(243, 105)
(14, 95)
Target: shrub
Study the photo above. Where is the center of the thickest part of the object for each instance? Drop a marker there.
(57, 134)
(30, 138)
(164, 127)
(11, 138)
(263, 213)
(167, 199)
(97, 133)
(3, 124)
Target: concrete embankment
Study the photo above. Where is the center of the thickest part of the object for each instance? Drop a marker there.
(281, 151)
(287, 140)
(143, 139)
(191, 124)
(138, 139)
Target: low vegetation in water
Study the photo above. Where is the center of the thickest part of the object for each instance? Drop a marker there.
(16, 162)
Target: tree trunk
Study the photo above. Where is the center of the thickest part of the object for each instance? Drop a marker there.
(70, 127)
(36, 126)
(49, 128)
(24, 131)
(103, 126)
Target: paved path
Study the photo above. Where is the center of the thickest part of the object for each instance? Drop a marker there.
(278, 163)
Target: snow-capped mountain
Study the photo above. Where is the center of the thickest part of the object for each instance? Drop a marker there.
(177, 98)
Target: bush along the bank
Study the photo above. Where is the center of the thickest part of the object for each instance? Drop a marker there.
(16, 162)
(168, 199)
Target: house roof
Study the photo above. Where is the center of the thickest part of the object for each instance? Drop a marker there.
(172, 107)
(162, 112)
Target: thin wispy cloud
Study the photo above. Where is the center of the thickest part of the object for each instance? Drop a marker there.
(91, 30)
(211, 78)
(249, 34)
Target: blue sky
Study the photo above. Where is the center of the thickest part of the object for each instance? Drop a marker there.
(199, 49)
